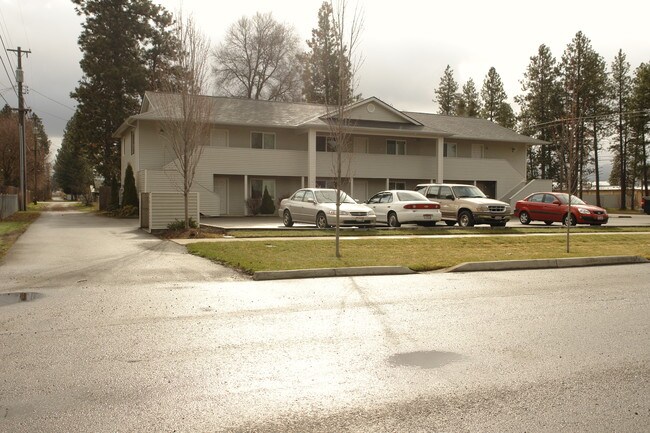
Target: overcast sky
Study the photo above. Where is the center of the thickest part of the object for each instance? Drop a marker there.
(406, 44)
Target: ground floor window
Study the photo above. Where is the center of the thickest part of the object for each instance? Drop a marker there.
(326, 183)
(258, 185)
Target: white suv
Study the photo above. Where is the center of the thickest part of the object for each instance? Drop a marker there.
(466, 204)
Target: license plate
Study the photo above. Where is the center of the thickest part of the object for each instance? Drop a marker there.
(361, 219)
(426, 216)
(600, 217)
(497, 218)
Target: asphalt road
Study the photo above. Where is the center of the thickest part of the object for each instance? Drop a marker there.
(129, 333)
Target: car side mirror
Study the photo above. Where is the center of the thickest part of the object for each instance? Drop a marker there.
(557, 202)
(311, 200)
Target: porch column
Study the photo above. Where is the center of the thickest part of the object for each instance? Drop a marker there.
(440, 155)
(246, 194)
(351, 187)
(311, 158)
(387, 183)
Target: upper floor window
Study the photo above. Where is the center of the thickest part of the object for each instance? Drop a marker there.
(325, 144)
(262, 140)
(218, 137)
(396, 147)
(132, 142)
(451, 150)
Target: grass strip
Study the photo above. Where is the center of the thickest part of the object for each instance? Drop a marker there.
(422, 231)
(417, 254)
(11, 228)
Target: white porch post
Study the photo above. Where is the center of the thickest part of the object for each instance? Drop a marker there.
(311, 158)
(440, 154)
(245, 194)
(351, 187)
(302, 181)
(387, 183)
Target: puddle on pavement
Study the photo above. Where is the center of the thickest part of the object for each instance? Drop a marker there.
(13, 298)
(424, 359)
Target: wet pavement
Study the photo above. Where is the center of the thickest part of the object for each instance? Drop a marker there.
(273, 222)
(130, 333)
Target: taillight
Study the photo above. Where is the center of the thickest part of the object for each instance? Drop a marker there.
(422, 206)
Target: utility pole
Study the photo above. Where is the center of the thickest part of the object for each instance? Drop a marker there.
(21, 125)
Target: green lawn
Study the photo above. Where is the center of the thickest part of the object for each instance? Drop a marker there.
(425, 231)
(417, 253)
(12, 227)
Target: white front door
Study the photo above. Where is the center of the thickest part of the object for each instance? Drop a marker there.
(221, 189)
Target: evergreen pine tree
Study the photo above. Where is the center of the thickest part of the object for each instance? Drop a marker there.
(446, 96)
(130, 194)
(72, 172)
(469, 104)
(267, 207)
(321, 62)
(125, 46)
(621, 89)
(492, 96)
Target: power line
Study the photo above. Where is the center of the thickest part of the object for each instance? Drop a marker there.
(5, 66)
(53, 100)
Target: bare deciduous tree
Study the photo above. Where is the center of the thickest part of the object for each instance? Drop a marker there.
(258, 60)
(185, 112)
(348, 31)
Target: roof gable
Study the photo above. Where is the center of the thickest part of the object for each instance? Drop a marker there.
(373, 110)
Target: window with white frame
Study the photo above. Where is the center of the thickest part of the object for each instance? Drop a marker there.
(325, 144)
(262, 140)
(396, 147)
(258, 186)
(218, 137)
(326, 183)
(451, 150)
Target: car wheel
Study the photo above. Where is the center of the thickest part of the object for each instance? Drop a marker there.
(321, 221)
(573, 220)
(286, 219)
(548, 223)
(450, 223)
(524, 218)
(392, 220)
(465, 219)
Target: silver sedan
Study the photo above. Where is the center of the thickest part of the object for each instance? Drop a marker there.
(397, 207)
(318, 206)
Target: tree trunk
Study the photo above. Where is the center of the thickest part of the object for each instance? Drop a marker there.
(596, 163)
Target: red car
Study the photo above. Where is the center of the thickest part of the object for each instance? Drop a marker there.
(553, 207)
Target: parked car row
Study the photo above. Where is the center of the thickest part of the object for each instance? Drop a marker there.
(465, 205)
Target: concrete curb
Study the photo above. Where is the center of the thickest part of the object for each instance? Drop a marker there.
(332, 272)
(509, 265)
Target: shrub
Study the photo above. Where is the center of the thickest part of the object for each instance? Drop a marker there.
(180, 225)
(130, 195)
(253, 205)
(267, 207)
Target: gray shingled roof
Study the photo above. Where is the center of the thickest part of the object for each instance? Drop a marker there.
(472, 128)
(236, 111)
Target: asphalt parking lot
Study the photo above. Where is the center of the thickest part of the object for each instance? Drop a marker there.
(275, 222)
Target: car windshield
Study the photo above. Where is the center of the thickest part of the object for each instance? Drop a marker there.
(410, 196)
(329, 196)
(564, 198)
(468, 191)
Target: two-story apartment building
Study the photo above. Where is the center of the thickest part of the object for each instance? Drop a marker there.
(284, 146)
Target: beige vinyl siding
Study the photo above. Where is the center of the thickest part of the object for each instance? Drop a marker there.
(154, 150)
(166, 207)
(171, 181)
